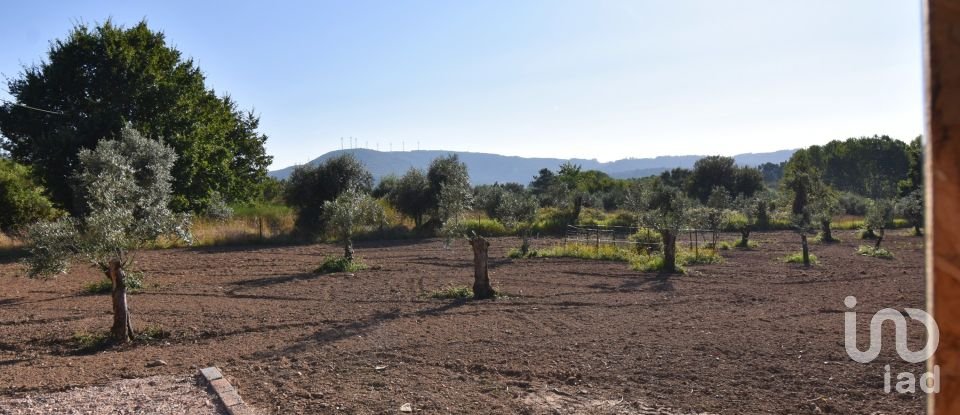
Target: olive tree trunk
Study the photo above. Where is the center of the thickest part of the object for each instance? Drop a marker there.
(826, 234)
(481, 282)
(745, 237)
(669, 250)
(806, 249)
(348, 248)
(122, 330)
(879, 238)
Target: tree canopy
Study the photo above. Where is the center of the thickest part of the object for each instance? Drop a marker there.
(97, 80)
(22, 200)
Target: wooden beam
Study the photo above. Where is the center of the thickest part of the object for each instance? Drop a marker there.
(942, 176)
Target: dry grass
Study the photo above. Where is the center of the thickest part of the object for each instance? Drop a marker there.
(235, 231)
(8, 242)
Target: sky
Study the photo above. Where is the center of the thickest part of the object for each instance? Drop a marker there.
(603, 79)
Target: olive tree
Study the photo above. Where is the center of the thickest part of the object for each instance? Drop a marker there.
(125, 186)
(802, 185)
(911, 208)
(879, 216)
(751, 209)
(667, 210)
(348, 213)
(825, 206)
(715, 214)
(518, 211)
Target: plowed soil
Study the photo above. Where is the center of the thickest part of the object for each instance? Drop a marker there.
(750, 335)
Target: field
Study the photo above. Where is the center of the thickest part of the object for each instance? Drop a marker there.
(750, 335)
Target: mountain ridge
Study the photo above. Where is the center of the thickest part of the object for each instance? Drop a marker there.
(487, 168)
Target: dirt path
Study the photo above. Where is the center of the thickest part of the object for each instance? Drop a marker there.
(751, 335)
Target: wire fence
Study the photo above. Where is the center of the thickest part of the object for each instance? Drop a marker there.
(635, 236)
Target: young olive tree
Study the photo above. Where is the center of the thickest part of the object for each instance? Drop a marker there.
(879, 216)
(802, 185)
(911, 208)
(518, 211)
(125, 186)
(667, 210)
(750, 208)
(350, 212)
(825, 206)
(715, 214)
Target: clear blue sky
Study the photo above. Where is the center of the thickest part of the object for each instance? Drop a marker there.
(591, 78)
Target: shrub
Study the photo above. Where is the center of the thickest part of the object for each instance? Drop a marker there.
(797, 258)
(217, 208)
(870, 251)
(853, 204)
(86, 342)
(340, 264)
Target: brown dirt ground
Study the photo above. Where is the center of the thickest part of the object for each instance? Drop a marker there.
(751, 335)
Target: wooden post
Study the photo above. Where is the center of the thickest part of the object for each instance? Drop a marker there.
(942, 187)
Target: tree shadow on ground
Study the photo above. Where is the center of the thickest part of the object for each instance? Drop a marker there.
(268, 281)
(342, 331)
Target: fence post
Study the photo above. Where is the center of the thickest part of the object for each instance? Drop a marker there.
(260, 226)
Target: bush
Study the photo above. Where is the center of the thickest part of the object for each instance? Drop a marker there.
(340, 264)
(217, 208)
(867, 250)
(797, 258)
(86, 341)
(853, 204)
(22, 201)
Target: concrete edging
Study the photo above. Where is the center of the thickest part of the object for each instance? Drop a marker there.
(226, 392)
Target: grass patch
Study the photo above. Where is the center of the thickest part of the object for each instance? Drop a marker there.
(516, 253)
(339, 264)
(700, 257)
(88, 342)
(751, 244)
(584, 251)
(153, 332)
(453, 292)
(105, 286)
(819, 239)
(867, 250)
(797, 258)
(653, 263)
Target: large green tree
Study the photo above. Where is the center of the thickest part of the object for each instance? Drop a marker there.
(97, 80)
(310, 187)
(22, 201)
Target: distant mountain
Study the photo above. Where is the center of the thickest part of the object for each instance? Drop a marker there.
(488, 168)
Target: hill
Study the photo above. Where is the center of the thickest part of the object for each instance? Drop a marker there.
(488, 168)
